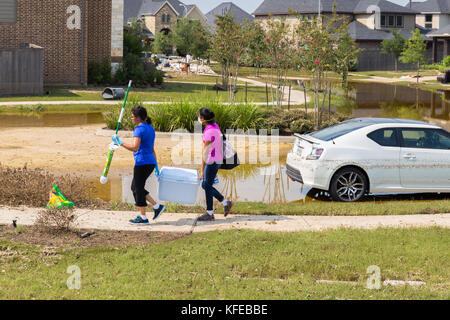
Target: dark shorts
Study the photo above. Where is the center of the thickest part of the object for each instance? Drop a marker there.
(140, 176)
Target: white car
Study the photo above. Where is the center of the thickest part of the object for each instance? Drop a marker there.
(372, 156)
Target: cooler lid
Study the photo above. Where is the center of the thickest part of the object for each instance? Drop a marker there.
(179, 174)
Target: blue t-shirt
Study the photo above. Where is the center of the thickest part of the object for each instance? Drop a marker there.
(144, 155)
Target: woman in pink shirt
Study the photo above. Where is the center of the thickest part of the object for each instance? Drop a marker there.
(212, 160)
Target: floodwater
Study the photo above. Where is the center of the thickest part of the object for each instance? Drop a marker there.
(270, 184)
(246, 183)
(49, 119)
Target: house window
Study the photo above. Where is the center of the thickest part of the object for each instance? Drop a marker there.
(8, 11)
(168, 18)
(391, 20)
(388, 21)
(163, 19)
(428, 21)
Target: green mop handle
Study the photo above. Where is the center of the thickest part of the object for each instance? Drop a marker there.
(104, 177)
(123, 107)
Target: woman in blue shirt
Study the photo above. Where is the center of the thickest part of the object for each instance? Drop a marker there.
(143, 148)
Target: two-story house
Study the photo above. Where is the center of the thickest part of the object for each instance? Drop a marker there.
(431, 14)
(370, 23)
(160, 15)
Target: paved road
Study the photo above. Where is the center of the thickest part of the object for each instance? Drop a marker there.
(170, 222)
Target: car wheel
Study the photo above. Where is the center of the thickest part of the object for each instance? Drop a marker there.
(348, 185)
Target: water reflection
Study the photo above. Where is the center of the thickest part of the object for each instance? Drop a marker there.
(249, 183)
(49, 119)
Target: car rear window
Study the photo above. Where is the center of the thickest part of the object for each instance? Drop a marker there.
(338, 130)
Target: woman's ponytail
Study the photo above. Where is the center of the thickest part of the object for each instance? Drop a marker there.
(141, 112)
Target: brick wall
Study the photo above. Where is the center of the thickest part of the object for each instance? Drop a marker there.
(99, 30)
(44, 23)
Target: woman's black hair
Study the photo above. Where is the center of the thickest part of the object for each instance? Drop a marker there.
(141, 112)
(207, 115)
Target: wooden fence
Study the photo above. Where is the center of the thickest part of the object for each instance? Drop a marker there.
(21, 71)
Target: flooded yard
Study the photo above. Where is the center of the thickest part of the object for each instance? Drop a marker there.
(59, 149)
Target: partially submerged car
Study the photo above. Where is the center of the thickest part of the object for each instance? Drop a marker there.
(372, 156)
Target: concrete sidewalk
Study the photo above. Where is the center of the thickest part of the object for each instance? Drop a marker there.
(178, 222)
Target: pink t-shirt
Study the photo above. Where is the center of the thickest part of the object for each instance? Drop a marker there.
(212, 133)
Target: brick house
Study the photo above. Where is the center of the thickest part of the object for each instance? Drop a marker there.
(159, 15)
(71, 33)
(370, 23)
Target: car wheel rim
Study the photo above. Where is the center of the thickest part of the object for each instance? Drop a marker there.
(350, 186)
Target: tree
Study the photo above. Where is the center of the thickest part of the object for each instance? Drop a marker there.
(414, 52)
(346, 55)
(190, 36)
(394, 46)
(278, 55)
(323, 46)
(227, 48)
(163, 43)
(257, 46)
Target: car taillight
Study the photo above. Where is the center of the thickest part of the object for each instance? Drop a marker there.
(315, 154)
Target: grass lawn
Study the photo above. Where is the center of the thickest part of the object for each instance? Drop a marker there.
(171, 91)
(395, 74)
(238, 264)
(324, 208)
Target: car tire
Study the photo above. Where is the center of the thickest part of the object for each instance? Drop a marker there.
(348, 185)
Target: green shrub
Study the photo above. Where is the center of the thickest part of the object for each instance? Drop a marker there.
(99, 72)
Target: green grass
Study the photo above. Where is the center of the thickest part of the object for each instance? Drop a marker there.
(324, 208)
(171, 90)
(239, 264)
(329, 208)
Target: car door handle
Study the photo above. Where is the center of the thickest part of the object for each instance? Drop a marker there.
(409, 156)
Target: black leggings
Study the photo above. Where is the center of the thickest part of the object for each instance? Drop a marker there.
(140, 176)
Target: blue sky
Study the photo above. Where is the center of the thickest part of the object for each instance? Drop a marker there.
(248, 5)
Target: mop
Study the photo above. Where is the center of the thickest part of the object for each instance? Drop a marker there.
(112, 146)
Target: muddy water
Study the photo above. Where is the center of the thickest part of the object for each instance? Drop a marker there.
(249, 183)
(49, 119)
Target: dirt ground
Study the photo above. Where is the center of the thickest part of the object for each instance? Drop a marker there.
(32, 235)
(76, 149)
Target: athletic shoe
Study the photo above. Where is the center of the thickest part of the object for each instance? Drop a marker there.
(206, 217)
(227, 208)
(139, 221)
(158, 211)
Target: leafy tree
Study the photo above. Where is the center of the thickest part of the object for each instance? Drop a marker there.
(227, 48)
(164, 43)
(257, 46)
(394, 46)
(414, 52)
(190, 36)
(346, 55)
(324, 46)
(278, 56)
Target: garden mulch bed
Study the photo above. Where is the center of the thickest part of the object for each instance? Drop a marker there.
(34, 236)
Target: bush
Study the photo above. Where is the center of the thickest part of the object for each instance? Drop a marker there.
(56, 220)
(182, 114)
(112, 117)
(31, 187)
(99, 73)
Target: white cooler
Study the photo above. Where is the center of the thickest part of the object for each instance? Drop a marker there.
(178, 185)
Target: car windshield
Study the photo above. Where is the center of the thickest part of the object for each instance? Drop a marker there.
(338, 130)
